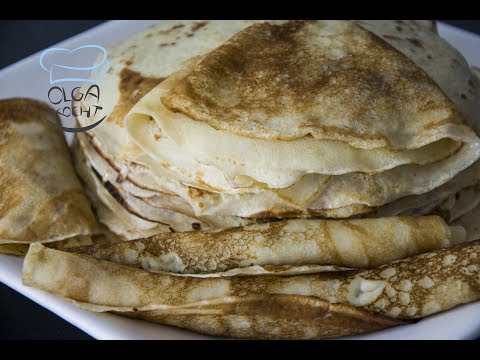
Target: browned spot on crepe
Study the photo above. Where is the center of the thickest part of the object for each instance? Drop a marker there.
(343, 212)
(391, 37)
(9, 197)
(133, 86)
(196, 193)
(415, 42)
(195, 27)
(198, 25)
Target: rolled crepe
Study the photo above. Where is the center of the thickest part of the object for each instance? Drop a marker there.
(362, 243)
(41, 198)
(302, 306)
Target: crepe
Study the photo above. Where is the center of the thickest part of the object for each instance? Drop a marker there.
(363, 243)
(256, 153)
(302, 306)
(131, 212)
(41, 199)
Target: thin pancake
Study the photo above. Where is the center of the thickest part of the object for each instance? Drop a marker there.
(412, 288)
(311, 78)
(363, 243)
(422, 204)
(426, 203)
(41, 199)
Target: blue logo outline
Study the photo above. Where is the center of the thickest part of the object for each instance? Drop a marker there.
(103, 62)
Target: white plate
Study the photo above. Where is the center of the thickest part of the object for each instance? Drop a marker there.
(27, 79)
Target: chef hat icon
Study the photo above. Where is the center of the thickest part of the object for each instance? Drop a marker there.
(75, 65)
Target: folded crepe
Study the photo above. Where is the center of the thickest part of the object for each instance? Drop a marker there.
(303, 306)
(41, 199)
(361, 243)
(305, 118)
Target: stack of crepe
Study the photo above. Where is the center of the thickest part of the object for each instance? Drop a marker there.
(223, 123)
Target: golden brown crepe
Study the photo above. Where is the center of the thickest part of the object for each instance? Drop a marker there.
(272, 317)
(41, 198)
(313, 78)
(457, 196)
(259, 306)
(363, 243)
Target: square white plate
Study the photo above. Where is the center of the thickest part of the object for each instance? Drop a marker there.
(26, 79)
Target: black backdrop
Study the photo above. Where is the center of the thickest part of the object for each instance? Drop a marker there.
(20, 318)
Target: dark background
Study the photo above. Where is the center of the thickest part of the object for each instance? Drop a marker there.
(20, 318)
